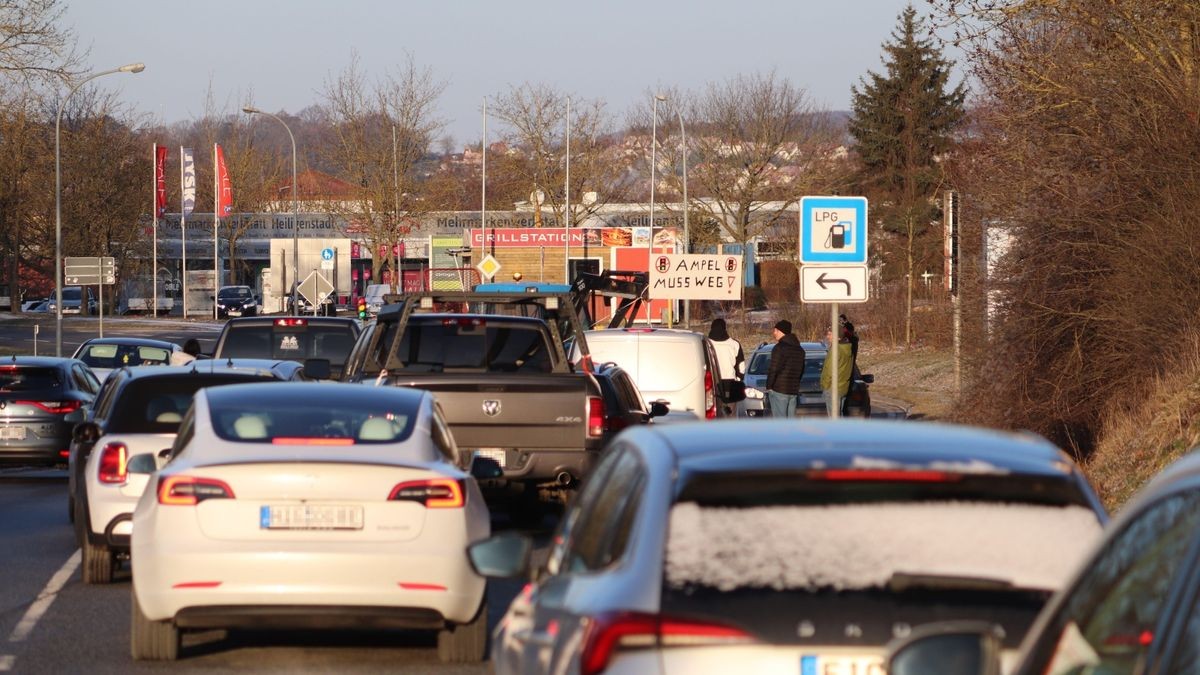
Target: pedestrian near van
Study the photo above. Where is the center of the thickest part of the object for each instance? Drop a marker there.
(730, 357)
(191, 349)
(845, 367)
(848, 329)
(785, 371)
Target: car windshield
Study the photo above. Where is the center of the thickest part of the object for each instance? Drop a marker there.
(116, 356)
(759, 363)
(765, 552)
(155, 405)
(300, 340)
(474, 344)
(71, 294)
(28, 378)
(234, 293)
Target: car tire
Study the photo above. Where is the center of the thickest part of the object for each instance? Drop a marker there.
(151, 640)
(98, 563)
(467, 642)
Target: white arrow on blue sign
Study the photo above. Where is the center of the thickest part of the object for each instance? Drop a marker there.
(326, 254)
(833, 230)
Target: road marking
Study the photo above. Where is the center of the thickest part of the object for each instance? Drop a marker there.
(6, 662)
(38, 609)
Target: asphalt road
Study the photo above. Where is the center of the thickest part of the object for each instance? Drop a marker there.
(17, 331)
(50, 622)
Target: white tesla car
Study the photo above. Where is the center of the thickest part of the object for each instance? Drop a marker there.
(306, 505)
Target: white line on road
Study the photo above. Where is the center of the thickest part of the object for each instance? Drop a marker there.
(38, 609)
(6, 662)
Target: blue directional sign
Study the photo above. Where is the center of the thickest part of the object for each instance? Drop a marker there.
(326, 254)
(833, 230)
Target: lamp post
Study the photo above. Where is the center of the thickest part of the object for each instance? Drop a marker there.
(653, 161)
(687, 238)
(251, 110)
(58, 301)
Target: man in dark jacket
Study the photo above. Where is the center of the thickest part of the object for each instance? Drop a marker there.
(785, 371)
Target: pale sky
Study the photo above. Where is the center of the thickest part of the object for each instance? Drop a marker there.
(282, 51)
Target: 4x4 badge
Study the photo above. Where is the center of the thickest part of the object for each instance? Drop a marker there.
(491, 407)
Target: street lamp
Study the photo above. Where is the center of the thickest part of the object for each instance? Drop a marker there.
(251, 110)
(653, 161)
(58, 301)
(687, 238)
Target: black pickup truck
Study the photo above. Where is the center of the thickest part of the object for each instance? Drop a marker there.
(501, 373)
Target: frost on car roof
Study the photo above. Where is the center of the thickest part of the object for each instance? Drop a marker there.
(860, 546)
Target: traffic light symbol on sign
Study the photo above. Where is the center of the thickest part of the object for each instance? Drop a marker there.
(362, 308)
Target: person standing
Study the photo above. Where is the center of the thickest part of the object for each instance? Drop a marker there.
(191, 350)
(730, 357)
(784, 372)
(845, 367)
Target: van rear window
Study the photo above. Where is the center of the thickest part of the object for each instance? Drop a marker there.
(292, 343)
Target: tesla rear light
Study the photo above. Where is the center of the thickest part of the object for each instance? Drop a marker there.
(609, 633)
(432, 493)
(114, 458)
(190, 490)
(595, 413)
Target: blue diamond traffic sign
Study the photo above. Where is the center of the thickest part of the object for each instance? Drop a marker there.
(833, 230)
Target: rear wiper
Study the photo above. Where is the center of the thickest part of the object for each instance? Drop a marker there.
(905, 581)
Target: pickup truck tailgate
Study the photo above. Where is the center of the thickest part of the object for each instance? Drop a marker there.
(526, 411)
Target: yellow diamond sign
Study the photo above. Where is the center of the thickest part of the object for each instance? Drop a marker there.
(489, 267)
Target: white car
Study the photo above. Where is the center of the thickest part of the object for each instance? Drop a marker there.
(289, 505)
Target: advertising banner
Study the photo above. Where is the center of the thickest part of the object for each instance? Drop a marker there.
(188, 182)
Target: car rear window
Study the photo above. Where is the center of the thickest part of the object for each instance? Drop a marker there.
(155, 405)
(763, 551)
(29, 378)
(309, 340)
(474, 345)
(292, 422)
(117, 356)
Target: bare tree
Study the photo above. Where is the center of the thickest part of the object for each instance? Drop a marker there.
(381, 131)
(25, 169)
(32, 42)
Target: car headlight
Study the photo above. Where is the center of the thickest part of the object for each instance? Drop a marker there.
(751, 392)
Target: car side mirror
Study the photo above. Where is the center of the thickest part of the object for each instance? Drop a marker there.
(143, 463)
(165, 453)
(947, 648)
(485, 468)
(86, 432)
(868, 378)
(733, 390)
(504, 556)
(659, 409)
(317, 369)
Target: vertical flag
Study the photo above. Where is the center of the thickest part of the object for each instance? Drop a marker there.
(224, 187)
(189, 180)
(160, 179)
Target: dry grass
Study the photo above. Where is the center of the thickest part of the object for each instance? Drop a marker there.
(923, 378)
(1136, 444)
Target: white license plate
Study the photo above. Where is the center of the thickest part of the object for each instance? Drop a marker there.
(234, 312)
(493, 453)
(12, 433)
(311, 517)
(811, 664)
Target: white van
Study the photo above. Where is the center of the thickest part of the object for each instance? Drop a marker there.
(374, 297)
(676, 366)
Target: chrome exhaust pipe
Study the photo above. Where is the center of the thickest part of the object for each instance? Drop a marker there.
(565, 478)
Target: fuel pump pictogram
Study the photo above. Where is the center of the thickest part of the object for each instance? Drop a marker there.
(839, 235)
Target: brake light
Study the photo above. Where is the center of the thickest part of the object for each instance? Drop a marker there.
(883, 475)
(190, 490)
(595, 416)
(291, 322)
(464, 322)
(639, 330)
(710, 397)
(312, 441)
(58, 407)
(433, 493)
(113, 460)
(606, 634)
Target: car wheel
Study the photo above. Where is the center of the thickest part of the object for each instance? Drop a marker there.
(151, 640)
(467, 642)
(98, 562)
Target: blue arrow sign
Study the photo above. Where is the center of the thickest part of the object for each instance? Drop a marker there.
(326, 254)
(833, 230)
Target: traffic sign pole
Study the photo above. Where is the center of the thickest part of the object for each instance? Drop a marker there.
(835, 338)
(100, 290)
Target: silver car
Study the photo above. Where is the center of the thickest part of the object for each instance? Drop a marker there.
(810, 403)
(41, 399)
(791, 546)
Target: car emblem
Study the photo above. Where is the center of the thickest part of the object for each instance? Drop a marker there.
(491, 407)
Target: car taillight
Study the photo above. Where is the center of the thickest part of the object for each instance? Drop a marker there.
(608, 633)
(291, 322)
(190, 490)
(710, 397)
(433, 493)
(59, 407)
(113, 460)
(595, 416)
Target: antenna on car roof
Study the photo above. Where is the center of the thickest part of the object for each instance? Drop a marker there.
(229, 363)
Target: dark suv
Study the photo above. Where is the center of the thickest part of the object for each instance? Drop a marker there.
(300, 339)
(623, 403)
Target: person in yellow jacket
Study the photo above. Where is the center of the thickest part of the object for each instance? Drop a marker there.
(845, 368)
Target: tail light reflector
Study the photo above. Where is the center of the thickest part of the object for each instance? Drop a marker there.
(190, 490)
(609, 633)
(433, 493)
(58, 407)
(595, 415)
(710, 397)
(113, 460)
